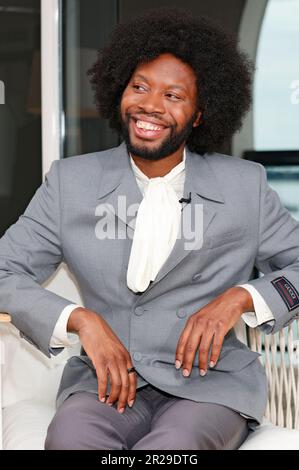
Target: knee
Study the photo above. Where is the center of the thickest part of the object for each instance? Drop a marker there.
(183, 439)
(167, 438)
(61, 433)
(83, 423)
(66, 430)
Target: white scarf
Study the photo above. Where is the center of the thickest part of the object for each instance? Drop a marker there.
(157, 225)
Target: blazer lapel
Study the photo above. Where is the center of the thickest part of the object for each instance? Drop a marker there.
(201, 183)
(118, 187)
(120, 192)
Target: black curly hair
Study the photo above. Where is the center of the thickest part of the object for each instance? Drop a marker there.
(224, 74)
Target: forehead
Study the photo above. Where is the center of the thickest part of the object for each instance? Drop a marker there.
(167, 68)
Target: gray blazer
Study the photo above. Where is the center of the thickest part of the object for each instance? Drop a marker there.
(244, 225)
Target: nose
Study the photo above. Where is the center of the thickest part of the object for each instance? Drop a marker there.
(151, 103)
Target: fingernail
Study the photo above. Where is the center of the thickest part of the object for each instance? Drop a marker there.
(121, 410)
(212, 363)
(185, 372)
(109, 403)
(202, 372)
(177, 364)
(102, 399)
(131, 403)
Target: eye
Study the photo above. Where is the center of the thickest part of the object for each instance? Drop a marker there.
(173, 97)
(138, 88)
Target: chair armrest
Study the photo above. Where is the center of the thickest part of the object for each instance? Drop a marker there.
(5, 317)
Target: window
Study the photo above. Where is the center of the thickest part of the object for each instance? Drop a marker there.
(20, 107)
(276, 100)
(85, 28)
(276, 90)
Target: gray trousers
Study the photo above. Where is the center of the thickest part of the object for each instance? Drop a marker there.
(157, 420)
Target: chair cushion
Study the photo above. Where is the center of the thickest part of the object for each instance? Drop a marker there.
(270, 437)
(25, 425)
(27, 373)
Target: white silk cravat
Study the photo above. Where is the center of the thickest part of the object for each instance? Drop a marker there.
(157, 226)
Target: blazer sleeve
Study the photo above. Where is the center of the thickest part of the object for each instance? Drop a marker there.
(30, 252)
(277, 258)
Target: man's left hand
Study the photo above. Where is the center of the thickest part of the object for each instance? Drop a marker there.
(209, 325)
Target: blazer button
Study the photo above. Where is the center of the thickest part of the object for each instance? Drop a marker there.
(137, 356)
(139, 311)
(181, 312)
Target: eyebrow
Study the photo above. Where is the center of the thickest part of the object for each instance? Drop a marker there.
(169, 86)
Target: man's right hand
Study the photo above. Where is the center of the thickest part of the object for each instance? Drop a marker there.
(108, 355)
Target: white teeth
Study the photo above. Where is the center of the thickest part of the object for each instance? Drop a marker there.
(148, 126)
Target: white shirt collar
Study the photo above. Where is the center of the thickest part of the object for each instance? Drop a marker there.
(177, 170)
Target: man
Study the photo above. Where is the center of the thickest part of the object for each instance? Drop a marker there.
(161, 367)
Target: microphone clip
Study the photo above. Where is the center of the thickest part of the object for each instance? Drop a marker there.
(186, 200)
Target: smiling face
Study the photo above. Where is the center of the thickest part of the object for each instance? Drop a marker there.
(158, 108)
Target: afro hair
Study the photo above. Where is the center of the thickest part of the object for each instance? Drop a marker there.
(224, 73)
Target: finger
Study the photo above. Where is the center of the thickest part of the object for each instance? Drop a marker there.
(102, 376)
(190, 351)
(216, 348)
(179, 353)
(115, 384)
(133, 387)
(203, 351)
(125, 385)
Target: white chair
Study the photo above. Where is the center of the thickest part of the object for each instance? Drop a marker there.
(280, 356)
(30, 381)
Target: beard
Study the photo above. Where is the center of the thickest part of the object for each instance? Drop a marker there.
(167, 147)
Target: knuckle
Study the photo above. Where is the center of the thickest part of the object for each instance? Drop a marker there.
(202, 359)
(203, 352)
(190, 347)
(200, 320)
(116, 384)
(99, 367)
(122, 364)
(179, 354)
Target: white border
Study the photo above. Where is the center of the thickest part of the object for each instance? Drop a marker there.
(50, 69)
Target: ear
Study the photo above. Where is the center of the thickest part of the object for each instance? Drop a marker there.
(198, 119)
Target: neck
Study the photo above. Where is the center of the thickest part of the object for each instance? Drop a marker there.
(155, 168)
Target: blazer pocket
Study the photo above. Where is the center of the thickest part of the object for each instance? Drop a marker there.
(225, 238)
(233, 360)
